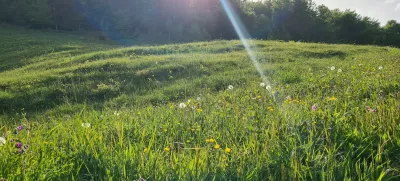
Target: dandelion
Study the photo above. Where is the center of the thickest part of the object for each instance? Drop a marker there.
(380, 67)
(86, 125)
(3, 141)
(18, 145)
(145, 150)
(270, 108)
(333, 98)
(314, 107)
(210, 140)
(167, 149)
(217, 146)
(199, 110)
(262, 84)
(268, 87)
(340, 70)
(227, 150)
(333, 68)
(182, 105)
(230, 87)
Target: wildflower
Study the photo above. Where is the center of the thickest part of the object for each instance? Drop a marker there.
(270, 108)
(199, 110)
(18, 145)
(116, 113)
(210, 140)
(333, 68)
(20, 151)
(3, 141)
(227, 150)
(198, 98)
(167, 149)
(268, 87)
(230, 87)
(333, 98)
(145, 150)
(340, 70)
(182, 105)
(314, 107)
(19, 128)
(262, 84)
(86, 125)
(380, 67)
(360, 65)
(217, 146)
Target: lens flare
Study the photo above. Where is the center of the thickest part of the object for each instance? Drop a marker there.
(243, 35)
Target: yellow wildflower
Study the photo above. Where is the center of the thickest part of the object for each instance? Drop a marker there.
(167, 149)
(146, 150)
(333, 98)
(227, 150)
(270, 108)
(211, 140)
(199, 110)
(217, 146)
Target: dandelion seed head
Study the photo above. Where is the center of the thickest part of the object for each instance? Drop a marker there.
(230, 87)
(182, 105)
(262, 84)
(333, 68)
(380, 67)
(268, 87)
(340, 70)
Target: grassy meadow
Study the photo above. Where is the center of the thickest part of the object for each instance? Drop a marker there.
(76, 108)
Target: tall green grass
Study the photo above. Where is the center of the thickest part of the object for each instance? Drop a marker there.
(103, 112)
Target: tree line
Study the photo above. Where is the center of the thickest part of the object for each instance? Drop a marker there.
(195, 20)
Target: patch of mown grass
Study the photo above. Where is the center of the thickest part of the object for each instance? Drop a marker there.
(165, 112)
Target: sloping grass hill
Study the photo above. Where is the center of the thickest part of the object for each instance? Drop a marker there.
(75, 108)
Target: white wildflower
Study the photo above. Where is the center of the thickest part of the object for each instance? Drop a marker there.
(268, 87)
(86, 125)
(198, 98)
(262, 84)
(333, 68)
(380, 67)
(340, 70)
(230, 87)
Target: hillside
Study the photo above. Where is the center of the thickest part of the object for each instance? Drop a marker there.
(93, 110)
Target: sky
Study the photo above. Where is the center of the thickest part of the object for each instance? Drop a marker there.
(381, 10)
